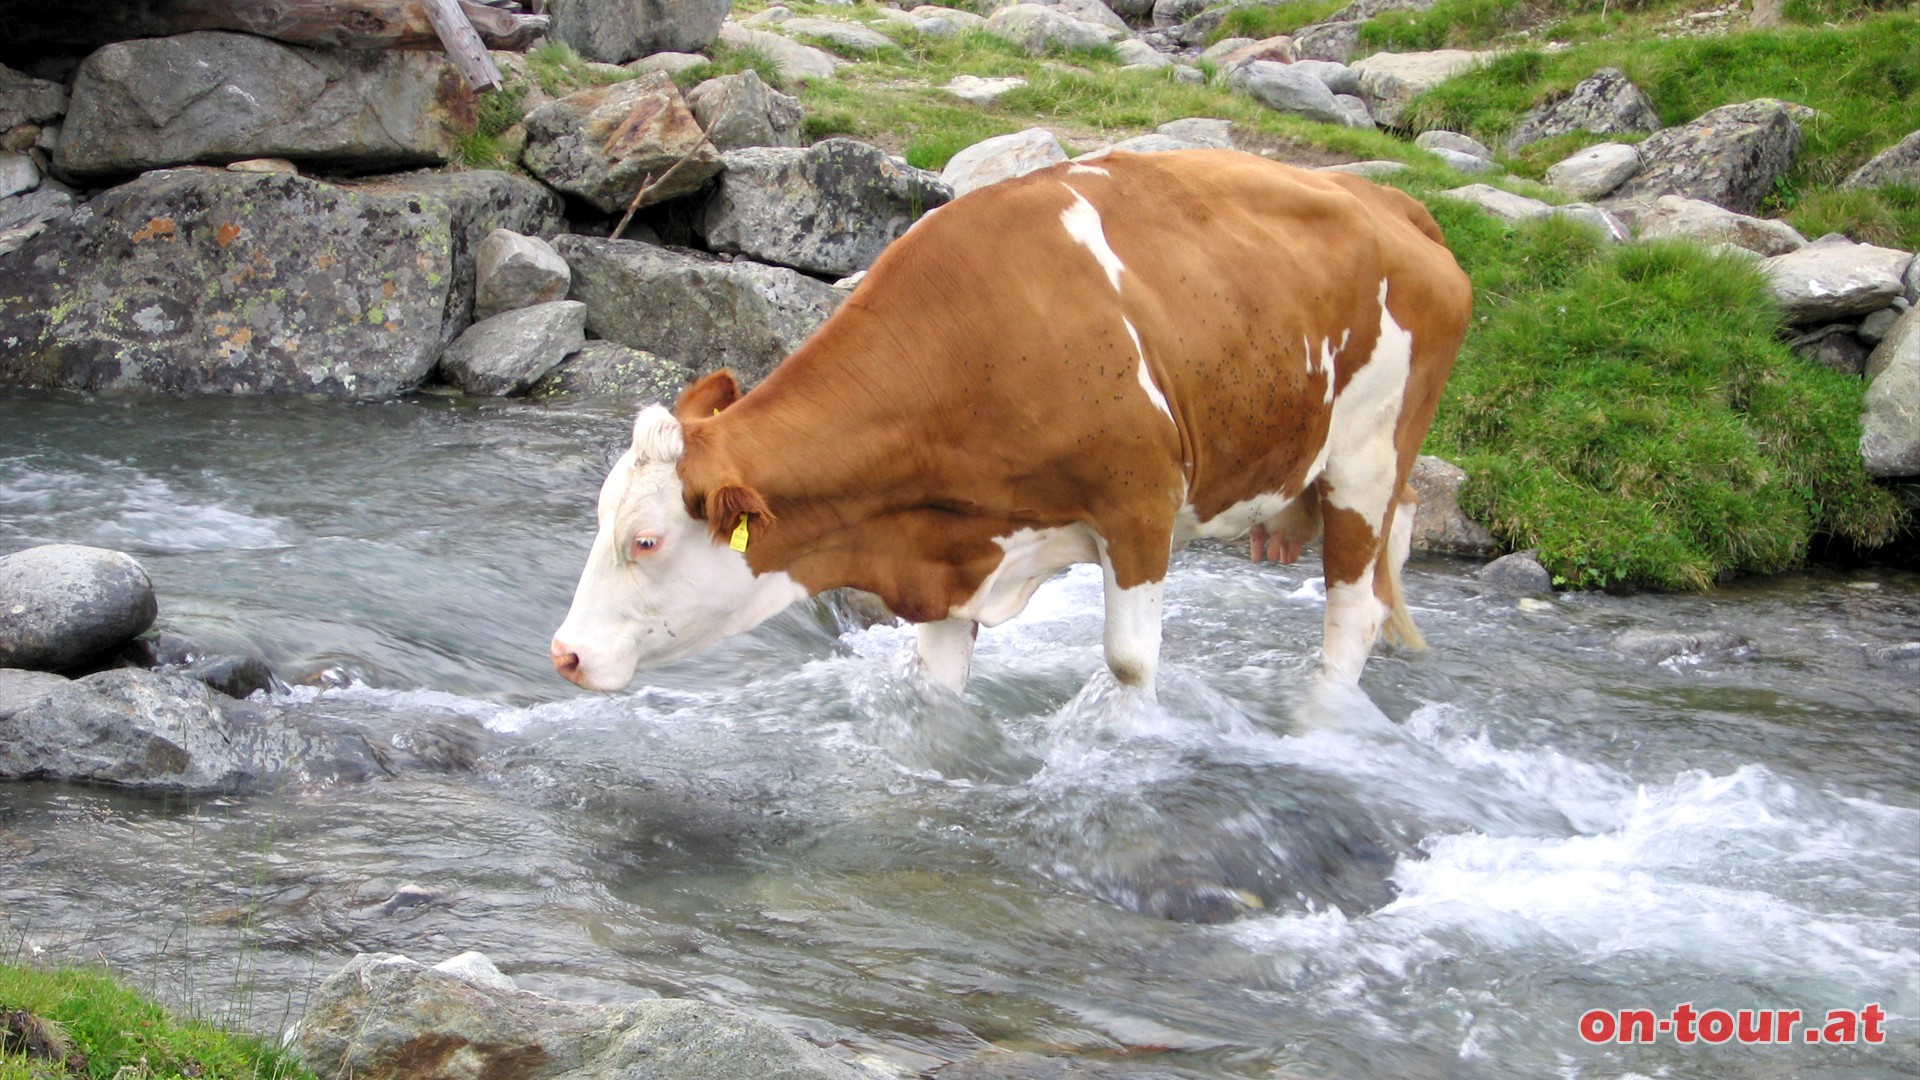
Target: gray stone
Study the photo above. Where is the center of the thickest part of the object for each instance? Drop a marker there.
(1136, 11)
(1038, 28)
(964, 20)
(673, 63)
(1452, 140)
(1658, 646)
(1175, 12)
(514, 271)
(1361, 10)
(1730, 156)
(63, 604)
(505, 355)
(1595, 172)
(20, 688)
(145, 729)
(827, 209)
(1280, 88)
(18, 174)
(214, 97)
(1339, 78)
(1334, 41)
(27, 100)
(1372, 170)
(1200, 131)
(298, 287)
(975, 90)
(701, 311)
(770, 16)
(1501, 204)
(1519, 572)
(938, 26)
(24, 217)
(1278, 49)
(616, 31)
(1875, 327)
(604, 144)
(741, 110)
(1674, 217)
(844, 35)
(1460, 161)
(1897, 164)
(796, 62)
(1355, 108)
(1604, 103)
(1834, 278)
(1092, 11)
(1150, 143)
(1890, 427)
(385, 1015)
(1439, 524)
(1220, 50)
(1599, 219)
(1390, 81)
(610, 369)
(1134, 53)
(1002, 157)
(1188, 75)
(1835, 347)
(1913, 283)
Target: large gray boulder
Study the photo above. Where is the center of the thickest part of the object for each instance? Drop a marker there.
(796, 62)
(1604, 103)
(1833, 278)
(512, 270)
(1335, 41)
(1674, 217)
(1730, 156)
(1038, 28)
(1002, 157)
(610, 369)
(215, 97)
(839, 33)
(1439, 524)
(1897, 164)
(829, 208)
(606, 143)
(1282, 88)
(741, 110)
(1890, 428)
(295, 287)
(505, 355)
(385, 1015)
(62, 605)
(27, 100)
(144, 729)
(701, 311)
(1390, 81)
(616, 31)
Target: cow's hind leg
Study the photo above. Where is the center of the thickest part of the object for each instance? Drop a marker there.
(945, 649)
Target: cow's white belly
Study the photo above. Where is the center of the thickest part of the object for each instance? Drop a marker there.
(1032, 556)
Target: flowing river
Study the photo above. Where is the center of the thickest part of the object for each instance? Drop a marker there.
(1538, 826)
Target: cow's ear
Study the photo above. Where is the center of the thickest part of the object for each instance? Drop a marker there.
(727, 504)
(707, 396)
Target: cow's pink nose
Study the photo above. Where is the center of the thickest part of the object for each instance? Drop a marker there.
(565, 661)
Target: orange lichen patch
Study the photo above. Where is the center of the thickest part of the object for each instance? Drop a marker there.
(242, 337)
(226, 234)
(392, 326)
(160, 228)
(388, 289)
(322, 261)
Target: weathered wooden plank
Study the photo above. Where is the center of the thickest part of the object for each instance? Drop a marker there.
(465, 50)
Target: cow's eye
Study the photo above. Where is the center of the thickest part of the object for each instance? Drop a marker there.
(645, 544)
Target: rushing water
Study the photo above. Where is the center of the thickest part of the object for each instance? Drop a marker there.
(1537, 826)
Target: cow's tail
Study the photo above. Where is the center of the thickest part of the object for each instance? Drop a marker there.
(1399, 629)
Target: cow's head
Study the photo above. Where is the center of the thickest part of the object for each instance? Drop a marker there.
(661, 583)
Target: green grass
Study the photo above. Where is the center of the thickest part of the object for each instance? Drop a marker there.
(126, 1036)
(560, 71)
(1630, 413)
(1266, 20)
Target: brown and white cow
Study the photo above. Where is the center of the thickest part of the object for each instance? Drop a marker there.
(1093, 363)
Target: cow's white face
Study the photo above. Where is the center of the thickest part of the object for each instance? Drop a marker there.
(657, 586)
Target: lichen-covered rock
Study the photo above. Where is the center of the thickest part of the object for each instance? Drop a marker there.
(1002, 157)
(514, 271)
(796, 62)
(1675, 217)
(610, 369)
(1897, 164)
(616, 32)
(196, 281)
(701, 311)
(1519, 572)
(505, 355)
(1730, 156)
(1439, 524)
(604, 144)
(1335, 40)
(844, 35)
(1833, 278)
(24, 217)
(62, 605)
(1037, 28)
(741, 110)
(1604, 103)
(829, 208)
(1890, 428)
(213, 97)
(1390, 81)
(385, 1015)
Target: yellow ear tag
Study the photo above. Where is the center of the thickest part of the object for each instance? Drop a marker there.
(739, 541)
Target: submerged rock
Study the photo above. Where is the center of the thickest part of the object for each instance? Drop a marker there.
(1519, 572)
(62, 605)
(385, 1015)
(1655, 646)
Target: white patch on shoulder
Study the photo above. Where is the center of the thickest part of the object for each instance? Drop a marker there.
(1360, 433)
(1032, 556)
(1146, 376)
(1082, 222)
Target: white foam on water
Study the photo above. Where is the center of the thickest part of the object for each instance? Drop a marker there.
(115, 506)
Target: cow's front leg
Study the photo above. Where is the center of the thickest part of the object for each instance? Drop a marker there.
(945, 649)
(1133, 626)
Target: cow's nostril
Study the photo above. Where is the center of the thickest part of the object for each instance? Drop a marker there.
(565, 661)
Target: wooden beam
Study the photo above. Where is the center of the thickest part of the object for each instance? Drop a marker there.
(465, 50)
(26, 28)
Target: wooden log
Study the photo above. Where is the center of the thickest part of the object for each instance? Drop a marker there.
(465, 50)
(27, 28)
